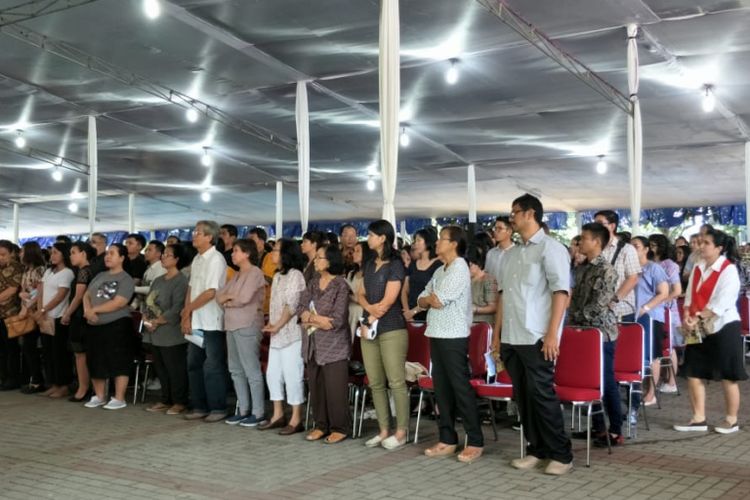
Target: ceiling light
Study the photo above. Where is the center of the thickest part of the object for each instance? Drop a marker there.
(370, 184)
(206, 159)
(20, 140)
(192, 115)
(601, 166)
(451, 76)
(709, 99)
(151, 8)
(405, 140)
(206, 196)
(57, 174)
(73, 207)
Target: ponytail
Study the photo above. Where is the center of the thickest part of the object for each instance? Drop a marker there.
(727, 243)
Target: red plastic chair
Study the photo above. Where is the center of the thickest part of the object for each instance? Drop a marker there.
(745, 322)
(579, 378)
(499, 390)
(629, 363)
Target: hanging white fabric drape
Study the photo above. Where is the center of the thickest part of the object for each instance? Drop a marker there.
(390, 102)
(131, 212)
(472, 185)
(93, 173)
(747, 190)
(303, 154)
(635, 132)
(16, 221)
(279, 209)
(402, 230)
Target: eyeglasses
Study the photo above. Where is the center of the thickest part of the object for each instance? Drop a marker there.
(165, 255)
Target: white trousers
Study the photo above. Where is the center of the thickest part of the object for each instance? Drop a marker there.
(286, 370)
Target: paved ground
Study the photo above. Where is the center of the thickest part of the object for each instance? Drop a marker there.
(57, 449)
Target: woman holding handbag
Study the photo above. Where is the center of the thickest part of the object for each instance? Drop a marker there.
(34, 267)
(53, 293)
(711, 315)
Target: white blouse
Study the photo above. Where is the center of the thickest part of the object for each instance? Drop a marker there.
(723, 302)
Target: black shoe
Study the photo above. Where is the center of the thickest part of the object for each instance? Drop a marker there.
(32, 388)
(582, 435)
(614, 440)
(74, 399)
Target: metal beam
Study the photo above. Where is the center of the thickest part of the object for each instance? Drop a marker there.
(549, 48)
(122, 75)
(33, 9)
(43, 156)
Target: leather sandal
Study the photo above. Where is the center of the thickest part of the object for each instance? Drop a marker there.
(335, 437)
(292, 429)
(272, 424)
(470, 454)
(440, 450)
(315, 435)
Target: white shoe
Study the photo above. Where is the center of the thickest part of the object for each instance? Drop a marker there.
(668, 389)
(154, 385)
(391, 443)
(525, 463)
(555, 468)
(115, 404)
(95, 402)
(374, 441)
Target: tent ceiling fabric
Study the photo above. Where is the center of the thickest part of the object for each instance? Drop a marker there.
(525, 122)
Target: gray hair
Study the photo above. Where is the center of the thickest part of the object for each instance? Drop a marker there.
(209, 228)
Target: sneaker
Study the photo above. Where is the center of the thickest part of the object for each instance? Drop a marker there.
(691, 427)
(235, 419)
(95, 402)
(555, 468)
(374, 441)
(154, 385)
(392, 443)
(668, 389)
(251, 421)
(727, 428)
(115, 404)
(525, 463)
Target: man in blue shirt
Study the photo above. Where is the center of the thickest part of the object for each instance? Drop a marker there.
(534, 284)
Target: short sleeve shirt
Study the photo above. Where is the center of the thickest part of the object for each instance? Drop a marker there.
(52, 282)
(626, 265)
(375, 281)
(10, 277)
(651, 277)
(208, 271)
(105, 287)
(418, 280)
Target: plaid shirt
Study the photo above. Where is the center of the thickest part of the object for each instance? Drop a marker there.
(626, 265)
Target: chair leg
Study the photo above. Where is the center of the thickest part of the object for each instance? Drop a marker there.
(354, 418)
(588, 436)
(307, 411)
(419, 416)
(145, 382)
(135, 385)
(492, 419)
(523, 443)
(362, 410)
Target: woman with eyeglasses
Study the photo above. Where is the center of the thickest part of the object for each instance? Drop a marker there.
(164, 302)
(326, 345)
(419, 273)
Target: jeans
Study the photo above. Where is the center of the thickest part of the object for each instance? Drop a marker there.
(243, 347)
(611, 394)
(385, 361)
(207, 373)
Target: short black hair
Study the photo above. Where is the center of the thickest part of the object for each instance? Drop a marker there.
(180, 252)
(664, 249)
(64, 249)
(32, 255)
(476, 255)
(230, 228)
(457, 235)
(158, 244)
(81, 246)
(384, 228)
(504, 219)
(429, 236)
(530, 202)
(598, 231)
(259, 232)
(335, 259)
(316, 237)
(62, 238)
(346, 226)
(137, 237)
(290, 256)
(175, 237)
(332, 238)
(610, 215)
(249, 248)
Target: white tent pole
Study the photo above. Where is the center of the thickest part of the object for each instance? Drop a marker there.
(93, 173)
(390, 102)
(279, 210)
(472, 185)
(303, 153)
(579, 222)
(131, 212)
(635, 132)
(747, 190)
(16, 221)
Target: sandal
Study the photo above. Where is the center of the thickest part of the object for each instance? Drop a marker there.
(470, 454)
(335, 437)
(315, 435)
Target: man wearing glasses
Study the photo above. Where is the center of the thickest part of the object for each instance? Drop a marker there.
(533, 286)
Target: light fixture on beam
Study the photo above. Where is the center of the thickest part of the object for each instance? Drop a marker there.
(192, 115)
(370, 184)
(20, 140)
(73, 207)
(451, 75)
(152, 8)
(404, 138)
(57, 174)
(206, 159)
(601, 166)
(206, 196)
(709, 99)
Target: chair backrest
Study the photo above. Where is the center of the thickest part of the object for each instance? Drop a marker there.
(629, 350)
(745, 313)
(579, 363)
(480, 337)
(419, 345)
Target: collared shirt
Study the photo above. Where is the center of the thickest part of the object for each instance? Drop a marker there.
(452, 285)
(494, 261)
(154, 271)
(10, 277)
(596, 285)
(652, 275)
(208, 271)
(529, 275)
(723, 302)
(626, 265)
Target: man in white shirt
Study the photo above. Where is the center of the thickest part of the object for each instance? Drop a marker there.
(207, 368)
(503, 235)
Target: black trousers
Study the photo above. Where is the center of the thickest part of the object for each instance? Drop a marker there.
(171, 368)
(329, 395)
(58, 362)
(32, 357)
(538, 405)
(10, 357)
(453, 392)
